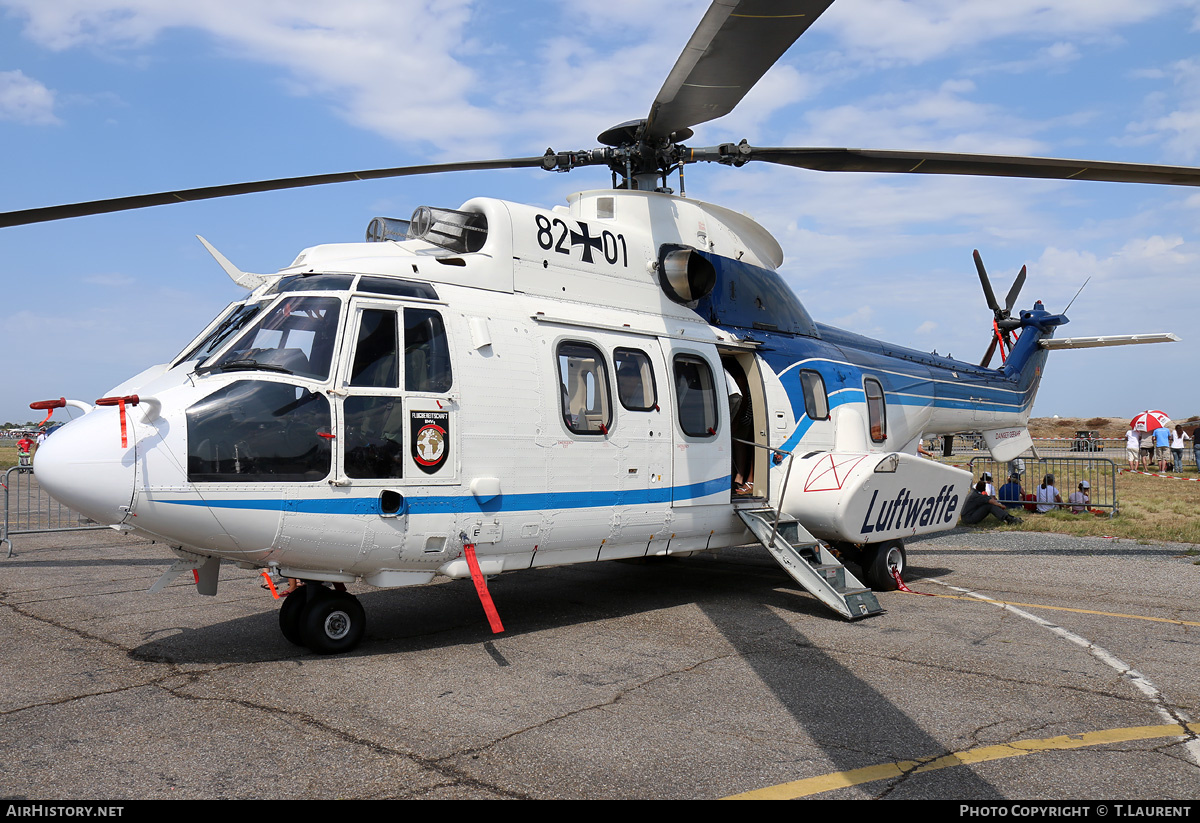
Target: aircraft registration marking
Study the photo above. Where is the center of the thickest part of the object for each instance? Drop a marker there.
(611, 246)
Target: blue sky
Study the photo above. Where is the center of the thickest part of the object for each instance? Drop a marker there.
(102, 98)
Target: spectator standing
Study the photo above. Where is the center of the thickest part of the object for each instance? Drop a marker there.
(1162, 448)
(1146, 450)
(1177, 441)
(1133, 445)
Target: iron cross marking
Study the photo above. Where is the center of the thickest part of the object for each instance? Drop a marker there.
(587, 241)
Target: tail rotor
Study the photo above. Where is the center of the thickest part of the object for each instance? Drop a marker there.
(1003, 324)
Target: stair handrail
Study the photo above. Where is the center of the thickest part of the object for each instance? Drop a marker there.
(786, 477)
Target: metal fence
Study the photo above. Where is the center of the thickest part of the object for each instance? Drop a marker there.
(1069, 472)
(30, 510)
(1112, 448)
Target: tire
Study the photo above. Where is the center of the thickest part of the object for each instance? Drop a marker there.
(877, 563)
(333, 624)
(289, 615)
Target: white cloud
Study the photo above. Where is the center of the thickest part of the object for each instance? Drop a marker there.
(25, 100)
(1177, 123)
(883, 31)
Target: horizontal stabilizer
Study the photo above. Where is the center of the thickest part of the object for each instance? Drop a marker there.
(1107, 340)
(1005, 444)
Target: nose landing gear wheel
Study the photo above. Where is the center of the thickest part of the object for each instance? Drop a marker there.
(333, 623)
(877, 564)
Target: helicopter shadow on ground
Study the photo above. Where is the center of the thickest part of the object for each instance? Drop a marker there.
(742, 597)
(448, 613)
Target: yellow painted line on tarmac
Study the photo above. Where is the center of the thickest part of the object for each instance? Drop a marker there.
(883, 771)
(1061, 609)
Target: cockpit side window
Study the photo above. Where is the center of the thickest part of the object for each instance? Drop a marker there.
(259, 431)
(426, 352)
(297, 337)
(376, 355)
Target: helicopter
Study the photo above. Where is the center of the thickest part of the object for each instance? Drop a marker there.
(491, 386)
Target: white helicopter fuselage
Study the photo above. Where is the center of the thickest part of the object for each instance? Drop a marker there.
(543, 397)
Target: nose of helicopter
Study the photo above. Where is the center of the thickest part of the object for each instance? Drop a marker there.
(83, 466)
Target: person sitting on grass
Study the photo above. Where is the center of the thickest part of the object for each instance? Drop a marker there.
(1080, 499)
(1012, 494)
(1047, 495)
(979, 504)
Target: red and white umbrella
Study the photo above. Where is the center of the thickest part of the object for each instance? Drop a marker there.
(1150, 420)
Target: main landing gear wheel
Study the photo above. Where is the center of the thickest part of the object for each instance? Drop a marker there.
(332, 623)
(289, 615)
(877, 562)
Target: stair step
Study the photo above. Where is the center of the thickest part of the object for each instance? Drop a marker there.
(793, 548)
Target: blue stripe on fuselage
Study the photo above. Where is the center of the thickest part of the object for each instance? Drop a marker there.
(468, 503)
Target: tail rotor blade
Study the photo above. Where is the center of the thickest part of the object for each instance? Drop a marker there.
(991, 349)
(987, 285)
(1011, 299)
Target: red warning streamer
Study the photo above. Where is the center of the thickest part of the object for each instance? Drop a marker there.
(899, 583)
(132, 400)
(49, 406)
(481, 589)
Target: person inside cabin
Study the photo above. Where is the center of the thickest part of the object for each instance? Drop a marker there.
(741, 413)
(1012, 494)
(1048, 497)
(979, 504)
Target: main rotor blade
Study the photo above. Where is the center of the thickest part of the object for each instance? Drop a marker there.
(141, 201)
(732, 48)
(985, 165)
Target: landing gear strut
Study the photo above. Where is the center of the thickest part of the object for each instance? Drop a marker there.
(324, 620)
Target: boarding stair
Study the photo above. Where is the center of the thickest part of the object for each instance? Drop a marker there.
(810, 562)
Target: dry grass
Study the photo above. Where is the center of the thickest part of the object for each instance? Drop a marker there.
(1151, 509)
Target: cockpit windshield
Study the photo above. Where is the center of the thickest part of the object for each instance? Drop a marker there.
(297, 337)
(233, 320)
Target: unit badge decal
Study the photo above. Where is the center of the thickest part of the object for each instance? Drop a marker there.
(430, 439)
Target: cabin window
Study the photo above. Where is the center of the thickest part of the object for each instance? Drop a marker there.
(583, 380)
(876, 409)
(374, 437)
(258, 431)
(635, 380)
(816, 400)
(426, 352)
(376, 356)
(696, 394)
(295, 337)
